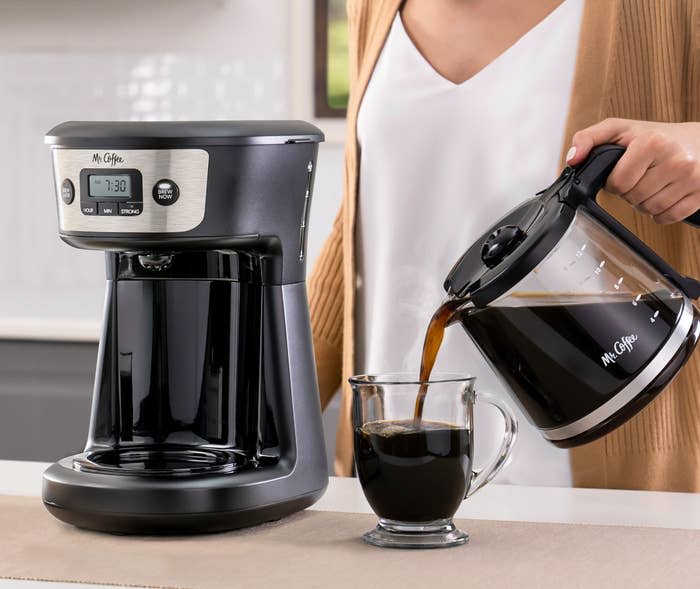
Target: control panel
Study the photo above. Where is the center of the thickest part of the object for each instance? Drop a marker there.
(111, 192)
(144, 191)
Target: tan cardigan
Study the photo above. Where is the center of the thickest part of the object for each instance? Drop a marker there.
(637, 59)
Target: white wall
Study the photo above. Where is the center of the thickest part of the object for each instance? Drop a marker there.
(140, 60)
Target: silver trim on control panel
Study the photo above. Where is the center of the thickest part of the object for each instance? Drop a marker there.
(188, 168)
(674, 343)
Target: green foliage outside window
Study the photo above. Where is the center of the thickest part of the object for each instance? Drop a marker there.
(331, 83)
(337, 61)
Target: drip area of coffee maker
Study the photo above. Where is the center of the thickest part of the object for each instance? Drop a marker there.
(189, 397)
(205, 412)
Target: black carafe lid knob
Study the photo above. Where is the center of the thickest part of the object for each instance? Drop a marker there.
(500, 243)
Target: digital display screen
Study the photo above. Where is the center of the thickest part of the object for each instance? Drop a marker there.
(110, 185)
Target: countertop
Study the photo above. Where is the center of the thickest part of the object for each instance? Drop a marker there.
(494, 502)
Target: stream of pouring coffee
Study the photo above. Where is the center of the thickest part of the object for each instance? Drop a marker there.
(445, 315)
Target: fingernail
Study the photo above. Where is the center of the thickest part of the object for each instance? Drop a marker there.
(571, 153)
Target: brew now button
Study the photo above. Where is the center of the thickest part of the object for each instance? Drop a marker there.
(165, 192)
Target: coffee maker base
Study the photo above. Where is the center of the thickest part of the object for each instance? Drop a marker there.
(184, 523)
(123, 504)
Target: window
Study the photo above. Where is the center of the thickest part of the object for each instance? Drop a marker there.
(331, 76)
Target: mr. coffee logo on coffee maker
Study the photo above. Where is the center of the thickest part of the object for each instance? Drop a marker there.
(622, 346)
(108, 158)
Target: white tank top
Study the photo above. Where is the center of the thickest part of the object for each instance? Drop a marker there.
(440, 162)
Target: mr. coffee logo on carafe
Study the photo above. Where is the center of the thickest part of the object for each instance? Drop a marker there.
(622, 346)
(109, 158)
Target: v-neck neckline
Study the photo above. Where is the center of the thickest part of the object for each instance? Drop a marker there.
(493, 64)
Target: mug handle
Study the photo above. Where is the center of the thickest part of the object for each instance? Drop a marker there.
(481, 476)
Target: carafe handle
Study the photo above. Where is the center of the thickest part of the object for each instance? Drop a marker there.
(593, 172)
(588, 178)
(481, 476)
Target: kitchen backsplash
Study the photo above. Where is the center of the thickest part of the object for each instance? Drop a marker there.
(43, 281)
(180, 59)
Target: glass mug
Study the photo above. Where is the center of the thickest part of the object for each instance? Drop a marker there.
(415, 473)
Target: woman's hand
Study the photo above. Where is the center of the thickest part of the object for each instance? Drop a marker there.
(659, 173)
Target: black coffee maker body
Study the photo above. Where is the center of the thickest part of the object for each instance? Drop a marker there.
(205, 411)
(583, 323)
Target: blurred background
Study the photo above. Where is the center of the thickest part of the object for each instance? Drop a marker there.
(131, 60)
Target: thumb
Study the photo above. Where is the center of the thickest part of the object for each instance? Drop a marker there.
(606, 131)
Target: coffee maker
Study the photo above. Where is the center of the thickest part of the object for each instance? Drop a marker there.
(205, 412)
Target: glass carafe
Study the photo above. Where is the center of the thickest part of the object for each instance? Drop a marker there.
(580, 327)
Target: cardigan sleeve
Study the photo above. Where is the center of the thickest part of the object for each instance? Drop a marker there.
(326, 281)
(326, 308)
(357, 35)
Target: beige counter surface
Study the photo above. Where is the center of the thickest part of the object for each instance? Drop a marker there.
(321, 548)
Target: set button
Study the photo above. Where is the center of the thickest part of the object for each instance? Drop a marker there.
(166, 192)
(67, 191)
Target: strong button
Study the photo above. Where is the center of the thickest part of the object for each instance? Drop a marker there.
(165, 192)
(130, 209)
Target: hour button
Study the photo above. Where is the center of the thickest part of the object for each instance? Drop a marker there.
(165, 192)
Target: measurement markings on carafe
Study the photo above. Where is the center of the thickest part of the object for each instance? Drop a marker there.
(577, 257)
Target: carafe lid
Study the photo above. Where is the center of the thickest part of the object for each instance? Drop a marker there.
(512, 246)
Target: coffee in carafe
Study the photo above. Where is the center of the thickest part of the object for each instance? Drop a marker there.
(562, 358)
(536, 338)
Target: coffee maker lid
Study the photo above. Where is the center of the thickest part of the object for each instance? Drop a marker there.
(180, 134)
(512, 246)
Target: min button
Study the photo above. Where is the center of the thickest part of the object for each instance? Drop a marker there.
(107, 208)
(165, 192)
